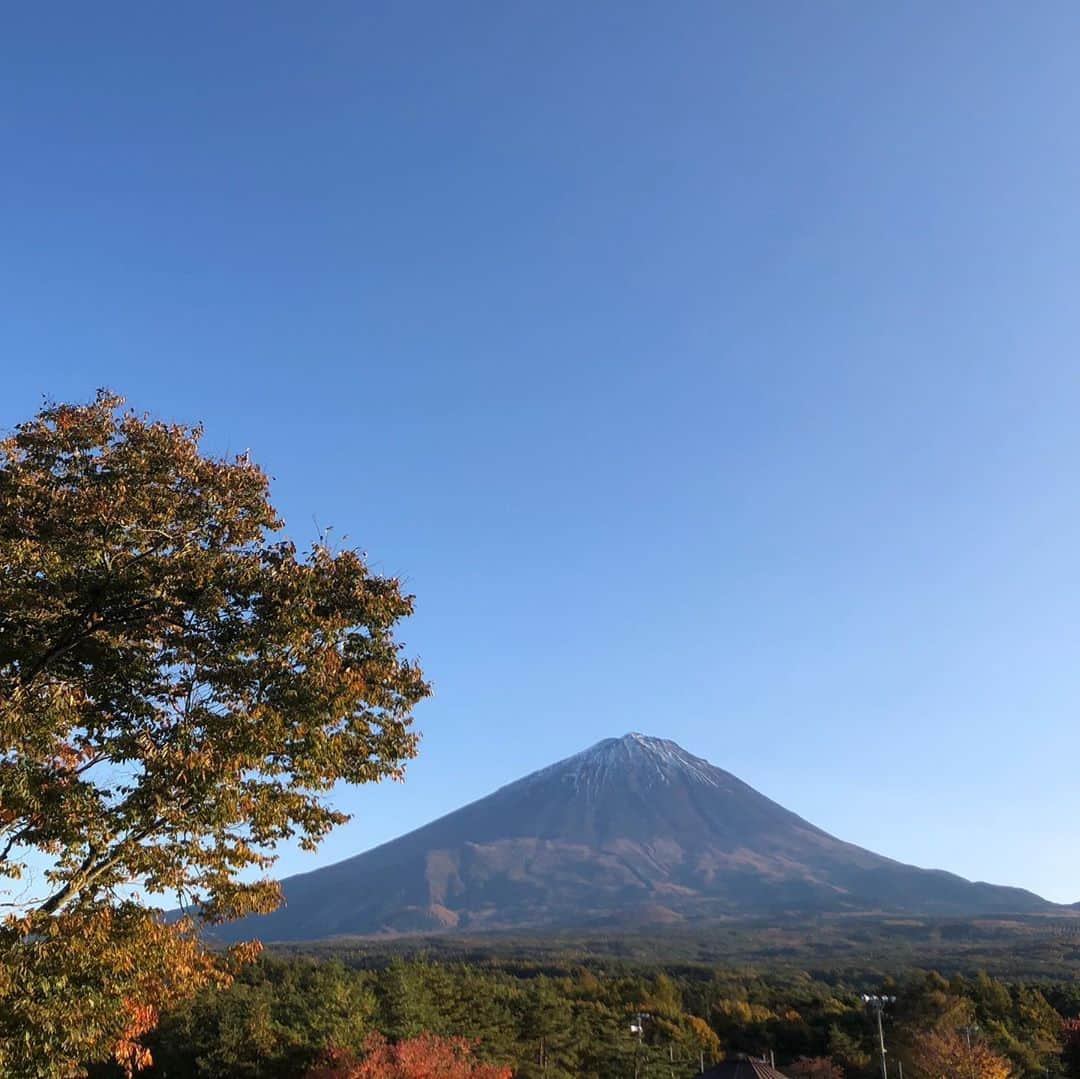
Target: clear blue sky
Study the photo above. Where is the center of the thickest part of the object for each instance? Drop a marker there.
(706, 369)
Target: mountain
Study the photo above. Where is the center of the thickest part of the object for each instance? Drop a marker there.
(634, 830)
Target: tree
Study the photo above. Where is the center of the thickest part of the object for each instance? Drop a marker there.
(423, 1057)
(546, 1025)
(815, 1068)
(179, 690)
(1070, 1047)
(947, 1054)
(274, 1019)
(846, 1049)
(405, 1005)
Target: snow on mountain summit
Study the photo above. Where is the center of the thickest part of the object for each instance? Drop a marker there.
(646, 758)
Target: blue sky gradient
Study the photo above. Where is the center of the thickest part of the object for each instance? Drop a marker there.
(706, 369)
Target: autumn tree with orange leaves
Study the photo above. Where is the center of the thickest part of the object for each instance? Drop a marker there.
(424, 1057)
(947, 1054)
(179, 689)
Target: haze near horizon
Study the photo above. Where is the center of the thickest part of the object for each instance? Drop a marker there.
(708, 371)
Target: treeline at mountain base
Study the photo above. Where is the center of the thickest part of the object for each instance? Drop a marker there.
(295, 1016)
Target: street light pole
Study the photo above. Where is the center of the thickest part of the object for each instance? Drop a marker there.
(637, 1026)
(967, 1031)
(872, 1000)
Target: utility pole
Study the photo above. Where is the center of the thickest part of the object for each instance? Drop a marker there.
(967, 1031)
(877, 1003)
(637, 1026)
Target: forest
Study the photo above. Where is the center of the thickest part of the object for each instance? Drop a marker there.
(289, 1015)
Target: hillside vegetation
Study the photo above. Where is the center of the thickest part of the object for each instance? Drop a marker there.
(563, 1010)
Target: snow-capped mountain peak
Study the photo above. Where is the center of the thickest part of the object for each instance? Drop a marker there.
(633, 829)
(639, 757)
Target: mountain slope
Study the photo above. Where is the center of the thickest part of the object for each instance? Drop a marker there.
(634, 829)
